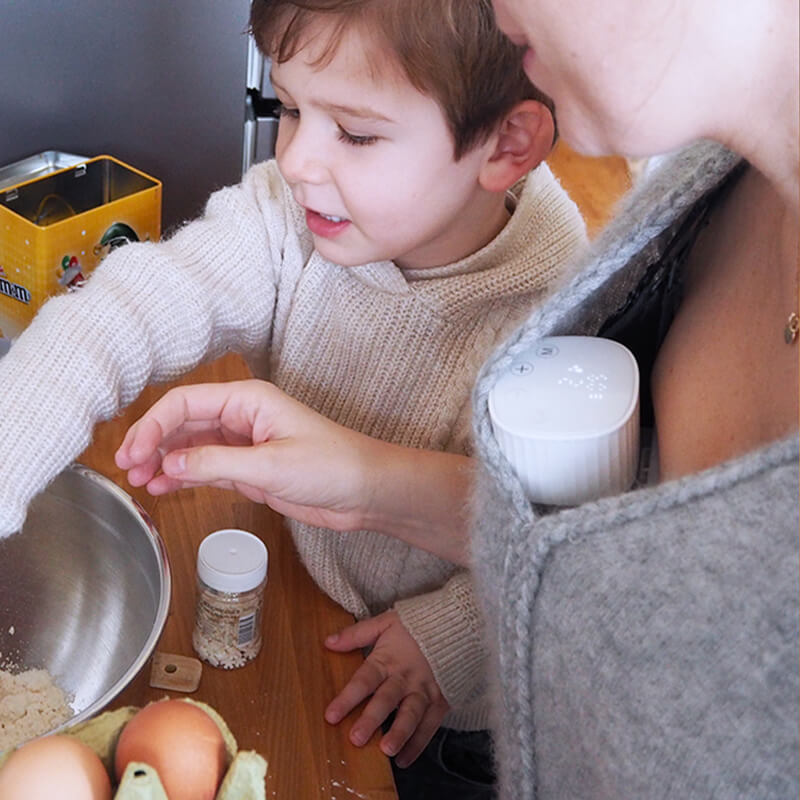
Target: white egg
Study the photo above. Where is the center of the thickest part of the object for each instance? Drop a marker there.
(54, 766)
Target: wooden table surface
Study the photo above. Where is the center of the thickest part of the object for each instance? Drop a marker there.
(274, 704)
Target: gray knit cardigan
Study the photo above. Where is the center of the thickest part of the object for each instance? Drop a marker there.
(644, 645)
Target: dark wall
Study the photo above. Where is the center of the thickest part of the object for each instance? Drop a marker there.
(158, 84)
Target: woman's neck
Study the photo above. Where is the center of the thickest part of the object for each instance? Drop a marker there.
(759, 118)
(772, 148)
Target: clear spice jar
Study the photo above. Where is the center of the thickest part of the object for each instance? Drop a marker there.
(231, 576)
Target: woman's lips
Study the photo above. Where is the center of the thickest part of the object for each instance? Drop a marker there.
(323, 226)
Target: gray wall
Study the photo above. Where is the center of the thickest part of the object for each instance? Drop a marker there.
(160, 84)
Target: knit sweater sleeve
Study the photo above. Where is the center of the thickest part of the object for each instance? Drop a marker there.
(149, 312)
(447, 627)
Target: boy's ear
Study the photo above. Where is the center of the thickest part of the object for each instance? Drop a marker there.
(523, 140)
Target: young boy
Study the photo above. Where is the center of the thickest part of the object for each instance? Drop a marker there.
(404, 228)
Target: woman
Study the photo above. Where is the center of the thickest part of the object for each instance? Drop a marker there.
(645, 645)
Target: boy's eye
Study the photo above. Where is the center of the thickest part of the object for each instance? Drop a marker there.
(351, 138)
(284, 111)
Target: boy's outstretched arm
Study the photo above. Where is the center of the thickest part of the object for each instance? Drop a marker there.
(397, 678)
(148, 313)
(252, 437)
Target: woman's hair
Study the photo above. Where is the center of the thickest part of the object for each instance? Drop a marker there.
(450, 50)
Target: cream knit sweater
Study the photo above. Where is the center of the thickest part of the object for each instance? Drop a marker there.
(388, 352)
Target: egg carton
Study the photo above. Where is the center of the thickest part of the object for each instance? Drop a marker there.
(244, 777)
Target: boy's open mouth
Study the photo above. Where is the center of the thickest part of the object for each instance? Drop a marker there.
(327, 225)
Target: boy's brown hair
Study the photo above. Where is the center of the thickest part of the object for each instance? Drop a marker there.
(450, 50)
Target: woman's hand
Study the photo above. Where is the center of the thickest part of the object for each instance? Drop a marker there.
(252, 437)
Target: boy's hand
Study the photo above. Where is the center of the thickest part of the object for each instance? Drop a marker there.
(398, 676)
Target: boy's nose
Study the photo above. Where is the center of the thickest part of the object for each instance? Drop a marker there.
(298, 159)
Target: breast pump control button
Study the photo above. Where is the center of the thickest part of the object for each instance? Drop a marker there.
(522, 368)
(547, 351)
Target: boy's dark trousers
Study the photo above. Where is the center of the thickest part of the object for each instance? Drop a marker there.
(455, 764)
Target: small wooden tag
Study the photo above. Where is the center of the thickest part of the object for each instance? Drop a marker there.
(178, 673)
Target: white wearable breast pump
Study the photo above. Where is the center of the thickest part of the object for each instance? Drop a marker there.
(566, 415)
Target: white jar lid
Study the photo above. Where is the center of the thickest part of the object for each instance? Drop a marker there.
(231, 560)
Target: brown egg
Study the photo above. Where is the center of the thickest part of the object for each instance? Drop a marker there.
(181, 742)
(54, 766)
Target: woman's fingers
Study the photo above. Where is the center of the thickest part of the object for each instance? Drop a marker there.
(197, 407)
(141, 473)
(221, 465)
(139, 443)
(251, 437)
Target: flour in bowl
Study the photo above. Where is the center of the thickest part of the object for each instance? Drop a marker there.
(30, 704)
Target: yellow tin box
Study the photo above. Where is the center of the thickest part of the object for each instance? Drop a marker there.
(54, 230)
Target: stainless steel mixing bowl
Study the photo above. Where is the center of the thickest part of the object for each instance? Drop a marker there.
(84, 589)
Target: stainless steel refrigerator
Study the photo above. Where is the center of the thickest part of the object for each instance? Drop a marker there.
(160, 85)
